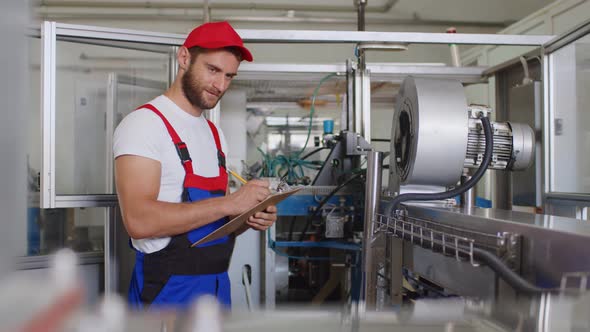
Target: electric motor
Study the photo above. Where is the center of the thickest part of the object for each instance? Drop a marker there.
(436, 134)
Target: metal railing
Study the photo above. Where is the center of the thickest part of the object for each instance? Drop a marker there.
(438, 237)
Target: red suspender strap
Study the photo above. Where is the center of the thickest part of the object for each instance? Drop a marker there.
(181, 147)
(220, 154)
(215, 135)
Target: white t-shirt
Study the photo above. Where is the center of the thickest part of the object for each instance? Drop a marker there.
(143, 133)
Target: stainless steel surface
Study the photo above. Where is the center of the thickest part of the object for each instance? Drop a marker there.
(549, 243)
(395, 265)
(523, 146)
(468, 197)
(525, 106)
(429, 132)
(372, 192)
(457, 277)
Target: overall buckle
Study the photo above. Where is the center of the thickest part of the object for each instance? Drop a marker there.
(182, 150)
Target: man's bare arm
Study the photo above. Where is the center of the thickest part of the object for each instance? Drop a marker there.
(138, 184)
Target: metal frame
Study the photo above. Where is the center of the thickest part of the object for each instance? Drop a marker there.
(567, 38)
(323, 37)
(51, 32)
(309, 36)
(48, 64)
(110, 252)
(44, 261)
(549, 50)
(373, 191)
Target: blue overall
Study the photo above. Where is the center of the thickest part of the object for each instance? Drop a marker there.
(174, 277)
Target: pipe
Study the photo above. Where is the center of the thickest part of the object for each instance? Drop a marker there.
(386, 7)
(468, 197)
(128, 14)
(206, 11)
(372, 192)
(361, 4)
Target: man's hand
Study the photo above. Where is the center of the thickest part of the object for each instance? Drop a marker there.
(248, 196)
(263, 220)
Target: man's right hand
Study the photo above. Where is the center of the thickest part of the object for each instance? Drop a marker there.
(248, 196)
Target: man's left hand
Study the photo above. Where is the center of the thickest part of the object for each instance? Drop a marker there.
(263, 220)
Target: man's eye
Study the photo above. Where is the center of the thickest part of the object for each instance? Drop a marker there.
(211, 69)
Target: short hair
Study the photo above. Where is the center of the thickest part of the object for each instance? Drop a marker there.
(196, 50)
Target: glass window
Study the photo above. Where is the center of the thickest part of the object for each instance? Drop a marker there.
(33, 118)
(570, 122)
(83, 138)
(81, 229)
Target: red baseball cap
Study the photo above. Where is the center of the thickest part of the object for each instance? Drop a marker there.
(217, 35)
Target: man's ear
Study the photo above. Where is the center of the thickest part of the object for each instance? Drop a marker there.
(183, 56)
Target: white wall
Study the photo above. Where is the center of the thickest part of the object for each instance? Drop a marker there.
(554, 19)
(247, 248)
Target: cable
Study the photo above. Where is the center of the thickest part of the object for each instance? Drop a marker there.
(511, 277)
(291, 228)
(312, 109)
(313, 152)
(487, 158)
(503, 271)
(324, 201)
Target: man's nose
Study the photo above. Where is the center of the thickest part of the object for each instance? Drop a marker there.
(220, 83)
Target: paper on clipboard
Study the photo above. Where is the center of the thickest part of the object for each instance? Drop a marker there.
(238, 222)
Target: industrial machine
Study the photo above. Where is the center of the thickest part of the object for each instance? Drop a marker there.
(424, 245)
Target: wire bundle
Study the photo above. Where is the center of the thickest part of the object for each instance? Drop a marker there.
(291, 167)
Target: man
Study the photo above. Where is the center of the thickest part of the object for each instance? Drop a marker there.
(172, 181)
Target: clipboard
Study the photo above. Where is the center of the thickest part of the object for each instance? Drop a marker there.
(239, 222)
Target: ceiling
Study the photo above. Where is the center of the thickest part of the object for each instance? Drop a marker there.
(179, 16)
(495, 14)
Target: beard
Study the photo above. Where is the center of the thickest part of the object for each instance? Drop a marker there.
(195, 93)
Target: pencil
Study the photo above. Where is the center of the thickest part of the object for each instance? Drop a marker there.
(237, 176)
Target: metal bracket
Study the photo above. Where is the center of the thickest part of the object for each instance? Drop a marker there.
(581, 277)
(356, 144)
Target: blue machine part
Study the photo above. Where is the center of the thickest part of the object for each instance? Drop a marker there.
(33, 232)
(328, 126)
(479, 202)
(299, 205)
